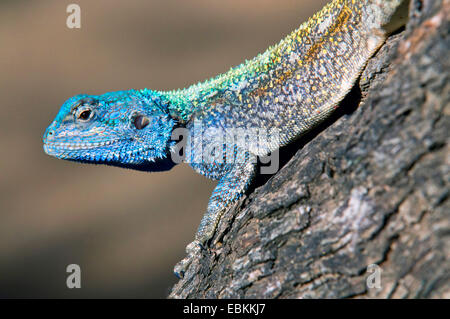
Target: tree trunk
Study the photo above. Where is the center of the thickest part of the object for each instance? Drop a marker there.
(361, 209)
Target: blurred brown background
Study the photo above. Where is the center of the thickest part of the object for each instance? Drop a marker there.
(125, 229)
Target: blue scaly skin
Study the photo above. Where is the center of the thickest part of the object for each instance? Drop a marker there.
(286, 90)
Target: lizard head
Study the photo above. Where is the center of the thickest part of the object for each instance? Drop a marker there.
(125, 128)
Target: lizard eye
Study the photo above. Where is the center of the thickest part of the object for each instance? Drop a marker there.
(141, 121)
(84, 114)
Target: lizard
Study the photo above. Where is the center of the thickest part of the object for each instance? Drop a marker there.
(286, 91)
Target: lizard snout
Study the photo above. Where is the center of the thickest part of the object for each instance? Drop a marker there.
(48, 135)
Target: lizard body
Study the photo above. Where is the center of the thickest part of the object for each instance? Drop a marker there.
(286, 90)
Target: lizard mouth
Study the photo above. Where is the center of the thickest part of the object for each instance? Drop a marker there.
(77, 146)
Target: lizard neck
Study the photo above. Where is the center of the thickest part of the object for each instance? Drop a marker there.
(259, 76)
(265, 76)
(183, 103)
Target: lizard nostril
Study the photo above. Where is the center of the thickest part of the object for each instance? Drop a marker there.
(49, 134)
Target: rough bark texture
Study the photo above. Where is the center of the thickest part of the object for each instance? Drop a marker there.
(370, 186)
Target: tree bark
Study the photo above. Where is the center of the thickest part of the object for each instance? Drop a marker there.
(368, 187)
